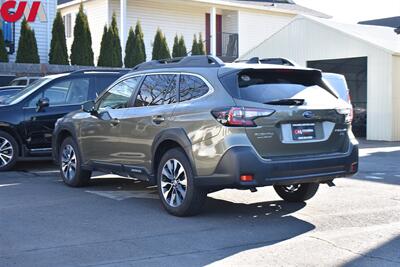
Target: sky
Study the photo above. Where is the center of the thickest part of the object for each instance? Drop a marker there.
(353, 11)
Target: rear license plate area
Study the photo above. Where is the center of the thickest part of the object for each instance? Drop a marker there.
(303, 131)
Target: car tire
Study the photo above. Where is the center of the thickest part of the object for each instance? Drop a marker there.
(298, 192)
(71, 165)
(176, 186)
(8, 151)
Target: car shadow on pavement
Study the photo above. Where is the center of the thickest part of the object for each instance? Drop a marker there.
(222, 230)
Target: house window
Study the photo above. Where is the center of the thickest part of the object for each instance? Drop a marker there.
(9, 35)
(68, 25)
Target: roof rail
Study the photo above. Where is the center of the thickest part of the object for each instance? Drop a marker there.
(82, 71)
(189, 61)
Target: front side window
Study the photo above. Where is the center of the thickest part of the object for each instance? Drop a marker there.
(191, 87)
(119, 96)
(157, 90)
(67, 92)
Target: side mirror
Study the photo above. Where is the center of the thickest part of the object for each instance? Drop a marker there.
(42, 103)
(89, 107)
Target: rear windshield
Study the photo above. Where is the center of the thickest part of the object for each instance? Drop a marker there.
(339, 85)
(271, 85)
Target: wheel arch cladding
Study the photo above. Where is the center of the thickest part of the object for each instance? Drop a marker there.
(168, 139)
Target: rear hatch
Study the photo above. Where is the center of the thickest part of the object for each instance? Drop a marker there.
(308, 118)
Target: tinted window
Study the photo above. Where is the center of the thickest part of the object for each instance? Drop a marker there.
(103, 82)
(157, 90)
(19, 82)
(339, 85)
(118, 97)
(191, 87)
(66, 92)
(270, 85)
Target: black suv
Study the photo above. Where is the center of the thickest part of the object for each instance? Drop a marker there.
(27, 118)
(197, 125)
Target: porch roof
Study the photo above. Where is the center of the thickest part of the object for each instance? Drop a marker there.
(287, 8)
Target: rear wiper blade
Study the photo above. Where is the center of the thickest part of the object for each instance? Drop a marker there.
(286, 102)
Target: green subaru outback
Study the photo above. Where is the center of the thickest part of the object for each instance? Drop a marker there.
(195, 125)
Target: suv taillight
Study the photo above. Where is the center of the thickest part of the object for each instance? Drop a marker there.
(240, 116)
(348, 112)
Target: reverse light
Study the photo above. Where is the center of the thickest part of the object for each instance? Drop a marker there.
(240, 116)
(348, 112)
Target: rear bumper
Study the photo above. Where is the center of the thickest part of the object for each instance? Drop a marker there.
(244, 160)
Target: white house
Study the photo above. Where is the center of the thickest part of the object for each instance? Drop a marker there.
(231, 27)
(369, 57)
(42, 26)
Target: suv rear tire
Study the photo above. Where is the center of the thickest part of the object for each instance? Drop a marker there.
(298, 192)
(176, 186)
(71, 165)
(8, 151)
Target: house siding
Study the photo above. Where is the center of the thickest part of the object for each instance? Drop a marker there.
(255, 27)
(170, 18)
(42, 31)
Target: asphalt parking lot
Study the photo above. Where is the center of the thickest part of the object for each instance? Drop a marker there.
(120, 222)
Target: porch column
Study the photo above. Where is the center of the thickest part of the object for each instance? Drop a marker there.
(123, 26)
(213, 31)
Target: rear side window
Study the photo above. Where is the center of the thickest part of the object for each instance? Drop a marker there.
(191, 87)
(270, 85)
(157, 90)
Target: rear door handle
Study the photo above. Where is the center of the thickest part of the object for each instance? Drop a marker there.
(115, 122)
(158, 119)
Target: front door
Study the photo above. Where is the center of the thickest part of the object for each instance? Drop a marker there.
(64, 96)
(101, 134)
(219, 34)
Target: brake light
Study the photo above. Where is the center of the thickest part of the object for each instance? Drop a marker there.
(348, 112)
(240, 116)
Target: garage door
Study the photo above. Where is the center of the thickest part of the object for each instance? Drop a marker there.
(355, 71)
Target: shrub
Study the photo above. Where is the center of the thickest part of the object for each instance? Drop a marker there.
(105, 48)
(116, 50)
(195, 46)
(135, 52)
(27, 47)
(179, 49)
(58, 49)
(160, 47)
(81, 50)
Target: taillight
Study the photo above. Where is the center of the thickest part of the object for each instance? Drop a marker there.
(240, 116)
(348, 112)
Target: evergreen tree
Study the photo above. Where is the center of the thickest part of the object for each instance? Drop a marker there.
(176, 51)
(3, 50)
(130, 49)
(105, 48)
(140, 42)
(81, 50)
(200, 45)
(116, 49)
(160, 47)
(58, 49)
(195, 46)
(182, 47)
(27, 47)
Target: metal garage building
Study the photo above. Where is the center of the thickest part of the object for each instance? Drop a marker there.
(369, 57)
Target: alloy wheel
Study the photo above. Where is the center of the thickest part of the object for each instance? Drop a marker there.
(292, 188)
(173, 183)
(6, 152)
(68, 162)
